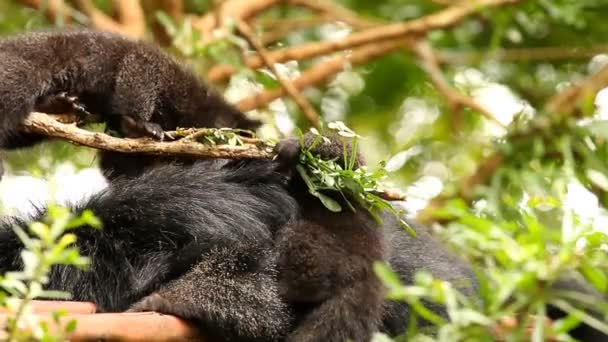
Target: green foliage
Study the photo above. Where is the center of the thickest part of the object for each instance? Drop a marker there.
(518, 263)
(344, 177)
(46, 243)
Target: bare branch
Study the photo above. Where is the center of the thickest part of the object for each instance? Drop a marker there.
(132, 22)
(306, 107)
(455, 99)
(131, 17)
(321, 72)
(231, 9)
(522, 54)
(43, 124)
(442, 19)
(335, 11)
(54, 8)
(567, 101)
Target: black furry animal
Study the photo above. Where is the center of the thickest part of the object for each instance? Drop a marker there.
(240, 248)
(140, 91)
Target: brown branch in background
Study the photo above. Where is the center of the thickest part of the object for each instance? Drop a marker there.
(230, 9)
(466, 187)
(131, 22)
(99, 20)
(335, 11)
(328, 11)
(173, 8)
(275, 30)
(441, 19)
(307, 109)
(131, 17)
(43, 124)
(455, 100)
(522, 54)
(54, 8)
(321, 72)
(482, 175)
(567, 101)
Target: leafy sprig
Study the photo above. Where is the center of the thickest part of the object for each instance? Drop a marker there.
(352, 182)
(46, 243)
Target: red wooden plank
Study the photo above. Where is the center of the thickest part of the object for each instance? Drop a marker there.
(128, 327)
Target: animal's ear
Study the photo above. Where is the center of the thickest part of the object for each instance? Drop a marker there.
(287, 151)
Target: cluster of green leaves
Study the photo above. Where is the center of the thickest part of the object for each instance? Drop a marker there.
(520, 264)
(351, 181)
(47, 243)
(217, 136)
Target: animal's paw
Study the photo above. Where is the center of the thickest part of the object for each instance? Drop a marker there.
(134, 128)
(154, 302)
(61, 103)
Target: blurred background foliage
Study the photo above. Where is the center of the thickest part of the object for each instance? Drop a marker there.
(525, 198)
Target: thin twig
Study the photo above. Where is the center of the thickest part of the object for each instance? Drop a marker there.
(521, 54)
(441, 19)
(321, 72)
(233, 10)
(335, 11)
(455, 99)
(54, 8)
(131, 17)
(567, 101)
(306, 107)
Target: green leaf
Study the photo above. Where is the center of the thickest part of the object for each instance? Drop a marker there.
(389, 278)
(71, 326)
(595, 276)
(329, 202)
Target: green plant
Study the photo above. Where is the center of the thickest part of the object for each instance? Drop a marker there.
(46, 243)
(351, 182)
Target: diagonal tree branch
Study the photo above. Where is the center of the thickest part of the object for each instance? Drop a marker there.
(307, 109)
(442, 19)
(321, 72)
(455, 99)
(567, 101)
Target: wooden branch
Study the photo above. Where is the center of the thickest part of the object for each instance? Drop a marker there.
(321, 72)
(335, 11)
(125, 327)
(131, 24)
(43, 124)
(567, 101)
(54, 8)
(441, 19)
(521, 54)
(46, 125)
(455, 99)
(307, 108)
(231, 9)
(131, 17)
(275, 30)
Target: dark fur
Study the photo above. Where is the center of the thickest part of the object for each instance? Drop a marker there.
(223, 240)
